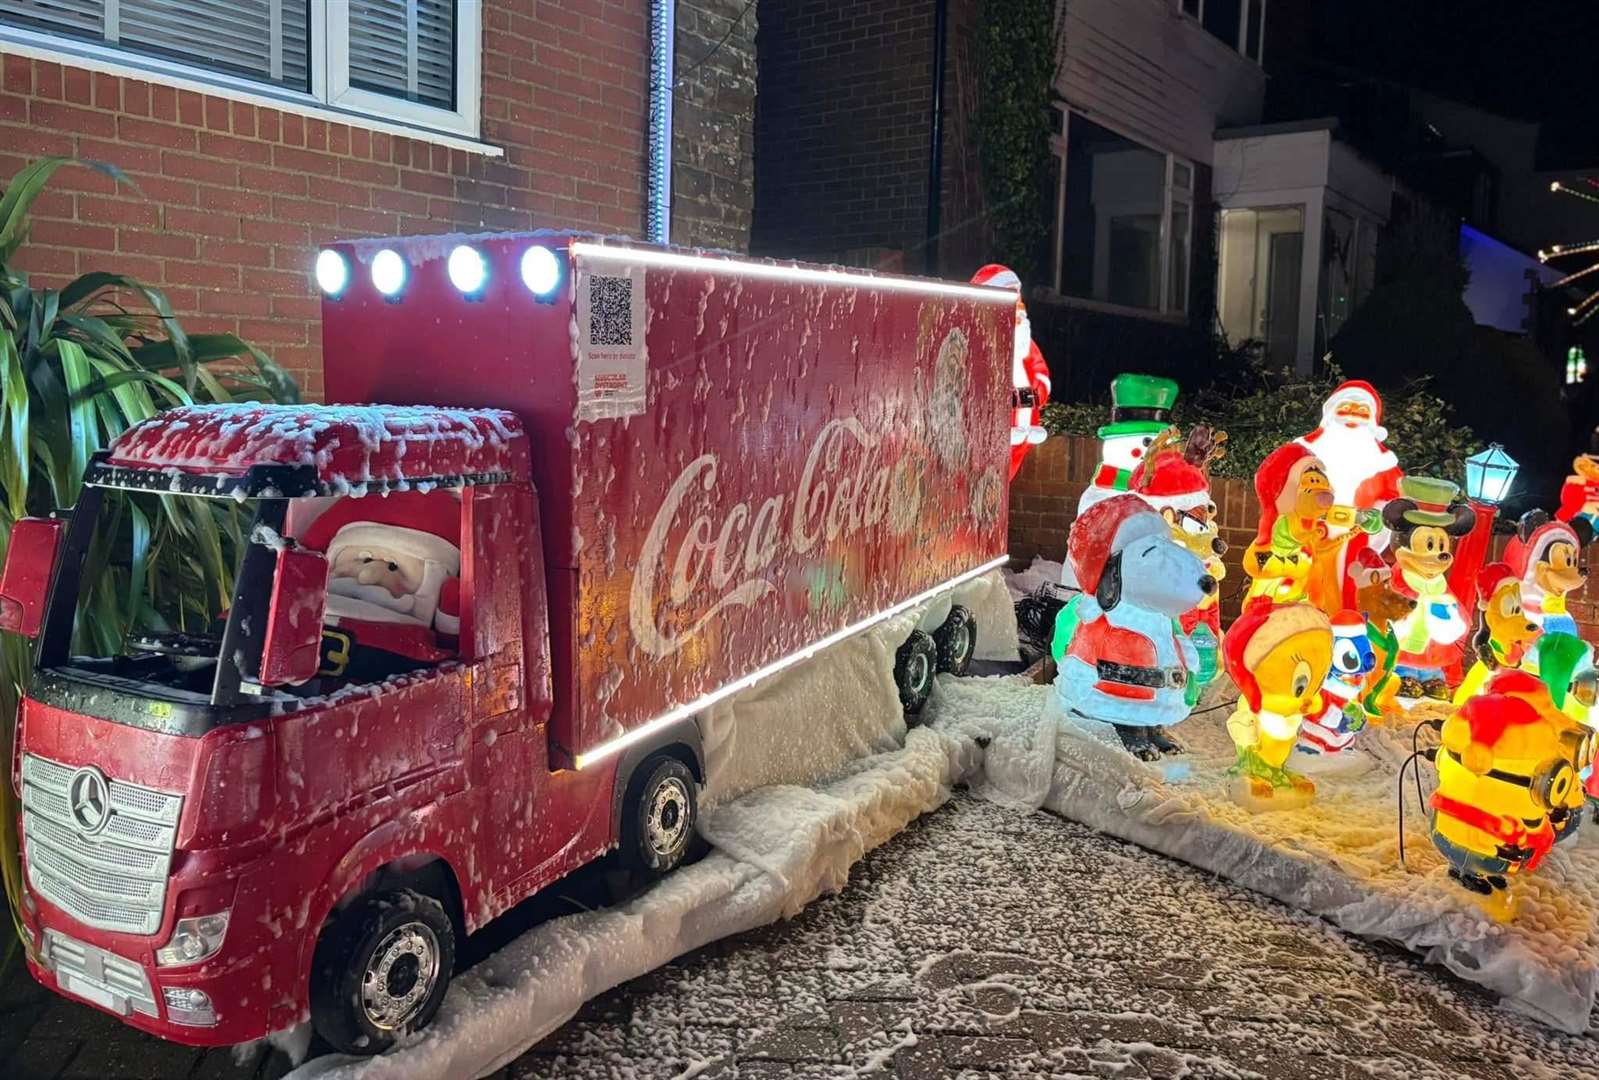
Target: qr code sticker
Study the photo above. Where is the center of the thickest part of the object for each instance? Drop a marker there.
(610, 310)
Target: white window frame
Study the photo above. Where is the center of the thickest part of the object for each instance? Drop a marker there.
(331, 97)
(1198, 16)
(1243, 30)
(1166, 310)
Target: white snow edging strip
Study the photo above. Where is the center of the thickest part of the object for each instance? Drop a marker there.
(1338, 859)
(778, 848)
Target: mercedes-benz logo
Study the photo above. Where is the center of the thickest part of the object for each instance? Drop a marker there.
(90, 800)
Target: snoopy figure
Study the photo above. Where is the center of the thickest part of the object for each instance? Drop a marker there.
(1128, 662)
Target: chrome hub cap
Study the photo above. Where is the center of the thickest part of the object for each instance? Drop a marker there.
(667, 824)
(918, 671)
(400, 975)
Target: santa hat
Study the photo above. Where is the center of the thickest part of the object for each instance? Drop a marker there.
(1104, 530)
(426, 527)
(998, 277)
(1473, 732)
(1279, 474)
(1355, 391)
(1348, 624)
(1490, 578)
(1261, 628)
(1171, 483)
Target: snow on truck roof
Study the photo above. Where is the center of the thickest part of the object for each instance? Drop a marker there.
(258, 450)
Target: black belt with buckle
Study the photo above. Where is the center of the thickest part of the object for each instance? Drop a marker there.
(1150, 678)
(1023, 398)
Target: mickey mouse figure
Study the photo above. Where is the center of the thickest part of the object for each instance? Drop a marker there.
(1427, 521)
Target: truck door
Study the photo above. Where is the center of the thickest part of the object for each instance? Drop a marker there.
(509, 703)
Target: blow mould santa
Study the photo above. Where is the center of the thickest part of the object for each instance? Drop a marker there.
(1364, 472)
(393, 559)
(1029, 371)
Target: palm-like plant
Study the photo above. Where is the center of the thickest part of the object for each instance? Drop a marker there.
(79, 365)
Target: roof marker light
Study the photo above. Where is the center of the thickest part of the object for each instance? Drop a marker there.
(682, 712)
(332, 272)
(541, 271)
(388, 272)
(468, 271)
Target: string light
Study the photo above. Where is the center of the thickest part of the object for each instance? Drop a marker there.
(1588, 192)
(1561, 189)
(1569, 278)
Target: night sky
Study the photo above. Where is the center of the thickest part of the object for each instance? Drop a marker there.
(1535, 59)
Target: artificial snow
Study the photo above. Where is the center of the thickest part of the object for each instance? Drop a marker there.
(1338, 856)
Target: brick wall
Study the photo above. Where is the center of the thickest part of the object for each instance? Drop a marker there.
(234, 200)
(713, 124)
(1043, 501)
(842, 125)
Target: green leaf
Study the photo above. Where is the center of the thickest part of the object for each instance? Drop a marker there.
(78, 374)
(14, 467)
(25, 187)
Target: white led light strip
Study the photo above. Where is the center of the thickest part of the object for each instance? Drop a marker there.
(682, 711)
(676, 260)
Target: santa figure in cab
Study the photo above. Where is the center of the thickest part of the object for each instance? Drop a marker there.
(1029, 371)
(1363, 472)
(393, 559)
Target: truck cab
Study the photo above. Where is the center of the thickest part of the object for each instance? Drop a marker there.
(299, 804)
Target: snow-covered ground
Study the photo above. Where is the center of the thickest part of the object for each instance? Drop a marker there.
(1338, 857)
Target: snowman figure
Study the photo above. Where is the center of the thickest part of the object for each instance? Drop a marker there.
(1140, 410)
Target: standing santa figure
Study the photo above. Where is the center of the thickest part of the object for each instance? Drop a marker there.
(1029, 371)
(1364, 473)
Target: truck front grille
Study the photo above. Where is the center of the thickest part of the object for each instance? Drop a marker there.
(114, 878)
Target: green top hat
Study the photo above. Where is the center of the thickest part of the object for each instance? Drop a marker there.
(1139, 405)
(1433, 498)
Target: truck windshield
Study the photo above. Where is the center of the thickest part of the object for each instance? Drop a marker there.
(147, 599)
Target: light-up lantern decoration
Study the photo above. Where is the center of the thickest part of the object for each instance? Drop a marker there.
(1489, 475)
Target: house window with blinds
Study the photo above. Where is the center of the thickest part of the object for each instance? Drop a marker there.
(411, 61)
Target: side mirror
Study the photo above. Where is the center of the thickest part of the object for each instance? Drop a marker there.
(292, 650)
(30, 567)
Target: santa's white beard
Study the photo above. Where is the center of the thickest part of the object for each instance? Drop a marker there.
(372, 594)
(1023, 345)
(1352, 456)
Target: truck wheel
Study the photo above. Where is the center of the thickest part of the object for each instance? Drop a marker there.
(956, 641)
(661, 809)
(380, 970)
(914, 667)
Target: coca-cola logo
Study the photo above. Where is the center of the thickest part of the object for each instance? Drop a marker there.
(702, 557)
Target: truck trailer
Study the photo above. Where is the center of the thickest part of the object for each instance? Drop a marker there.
(568, 493)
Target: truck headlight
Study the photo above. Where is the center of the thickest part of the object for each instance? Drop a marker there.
(193, 940)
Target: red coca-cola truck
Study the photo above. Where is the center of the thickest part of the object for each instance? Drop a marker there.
(591, 489)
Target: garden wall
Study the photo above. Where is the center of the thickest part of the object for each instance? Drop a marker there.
(1043, 501)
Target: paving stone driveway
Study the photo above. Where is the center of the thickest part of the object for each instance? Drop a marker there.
(981, 943)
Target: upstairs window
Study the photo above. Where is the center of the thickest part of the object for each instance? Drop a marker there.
(414, 62)
(1240, 24)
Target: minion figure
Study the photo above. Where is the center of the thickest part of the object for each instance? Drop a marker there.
(1279, 656)
(1505, 767)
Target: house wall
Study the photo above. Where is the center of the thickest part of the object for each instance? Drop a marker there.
(233, 200)
(1043, 502)
(713, 124)
(842, 122)
(1146, 70)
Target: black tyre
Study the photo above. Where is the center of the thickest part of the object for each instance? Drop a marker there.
(381, 969)
(659, 815)
(956, 641)
(914, 667)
